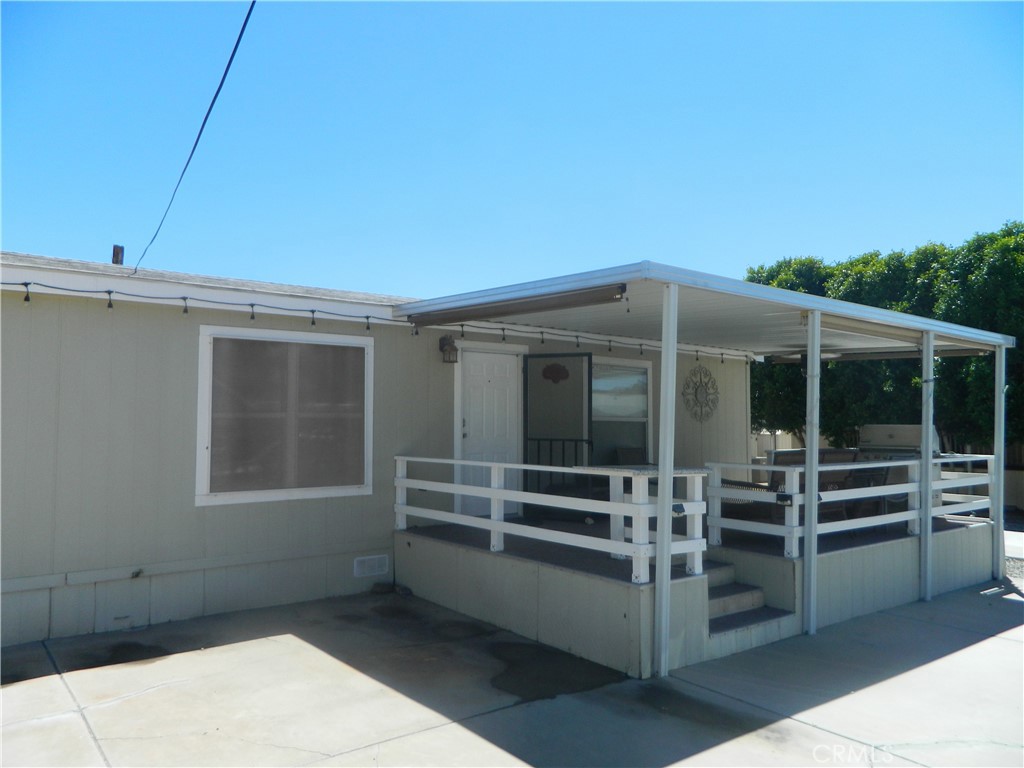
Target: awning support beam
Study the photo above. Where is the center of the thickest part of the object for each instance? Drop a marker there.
(927, 449)
(998, 461)
(812, 431)
(666, 467)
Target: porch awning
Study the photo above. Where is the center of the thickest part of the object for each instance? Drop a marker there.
(722, 314)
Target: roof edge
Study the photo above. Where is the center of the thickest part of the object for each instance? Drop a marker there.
(655, 271)
(82, 272)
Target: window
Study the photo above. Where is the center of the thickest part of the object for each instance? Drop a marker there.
(620, 411)
(282, 415)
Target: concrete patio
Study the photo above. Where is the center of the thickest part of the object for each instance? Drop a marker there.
(393, 680)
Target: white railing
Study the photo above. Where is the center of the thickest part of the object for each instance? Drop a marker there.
(635, 540)
(944, 502)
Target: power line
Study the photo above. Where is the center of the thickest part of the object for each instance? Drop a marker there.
(198, 135)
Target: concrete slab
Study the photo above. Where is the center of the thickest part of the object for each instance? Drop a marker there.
(1014, 544)
(937, 683)
(61, 739)
(391, 680)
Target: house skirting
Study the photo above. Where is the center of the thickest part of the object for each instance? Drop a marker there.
(603, 620)
(61, 605)
(611, 622)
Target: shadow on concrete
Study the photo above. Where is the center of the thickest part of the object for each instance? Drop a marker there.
(549, 708)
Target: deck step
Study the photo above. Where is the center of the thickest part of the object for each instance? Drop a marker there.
(743, 619)
(733, 598)
(719, 573)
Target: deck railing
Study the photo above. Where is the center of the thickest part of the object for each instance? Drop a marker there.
(630, 514)
(904, 491)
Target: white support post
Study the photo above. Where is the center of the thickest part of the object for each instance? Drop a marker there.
(996, 469)
(927, 449)
(792, 516)
(641, 533)
(811, 441)
(497, 508)
(401, 494)
(666, 467)
(715, 509)
(694, 524)
(914, 499)
(617, 523)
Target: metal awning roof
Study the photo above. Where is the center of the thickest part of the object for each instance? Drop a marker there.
(714, 312)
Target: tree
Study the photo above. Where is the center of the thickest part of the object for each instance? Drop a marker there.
(777, 391)
(979, 284)
(982, 285)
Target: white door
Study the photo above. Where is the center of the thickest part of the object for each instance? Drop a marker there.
(491, 419)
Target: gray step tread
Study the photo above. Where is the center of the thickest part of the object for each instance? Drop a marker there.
(719, 573)
(728, 590)
(742, 619)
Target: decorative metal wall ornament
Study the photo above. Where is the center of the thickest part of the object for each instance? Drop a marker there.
(700, 393)
(555, 372)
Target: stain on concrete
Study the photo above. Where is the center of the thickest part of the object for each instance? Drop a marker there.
(395, 611)
(724, 720)
(130, 652)
(352, 618)
(461, 630)
(535, 672)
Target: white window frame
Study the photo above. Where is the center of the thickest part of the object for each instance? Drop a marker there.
(204, 422)
(646, 365)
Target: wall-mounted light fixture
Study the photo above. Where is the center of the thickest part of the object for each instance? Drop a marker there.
(449, 352)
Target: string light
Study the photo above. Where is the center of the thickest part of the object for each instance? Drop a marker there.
(313, 312)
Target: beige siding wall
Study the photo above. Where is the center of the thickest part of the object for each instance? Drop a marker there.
(98, 472)
(854, 582)
(100, 525)
(858, 581)
(962, 557)
(725, 436)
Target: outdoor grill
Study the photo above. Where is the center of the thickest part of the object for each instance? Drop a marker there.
(892, 442)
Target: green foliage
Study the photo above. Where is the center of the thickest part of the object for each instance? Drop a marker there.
(979, 284)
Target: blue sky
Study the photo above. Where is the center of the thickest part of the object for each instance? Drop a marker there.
(426, 149)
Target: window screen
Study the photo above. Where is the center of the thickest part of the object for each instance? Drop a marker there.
(286, 415)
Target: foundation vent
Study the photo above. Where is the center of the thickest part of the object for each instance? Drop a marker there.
(374, 565)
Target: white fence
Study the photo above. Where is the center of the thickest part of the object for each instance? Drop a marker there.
(787, 505)
(630, 514)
